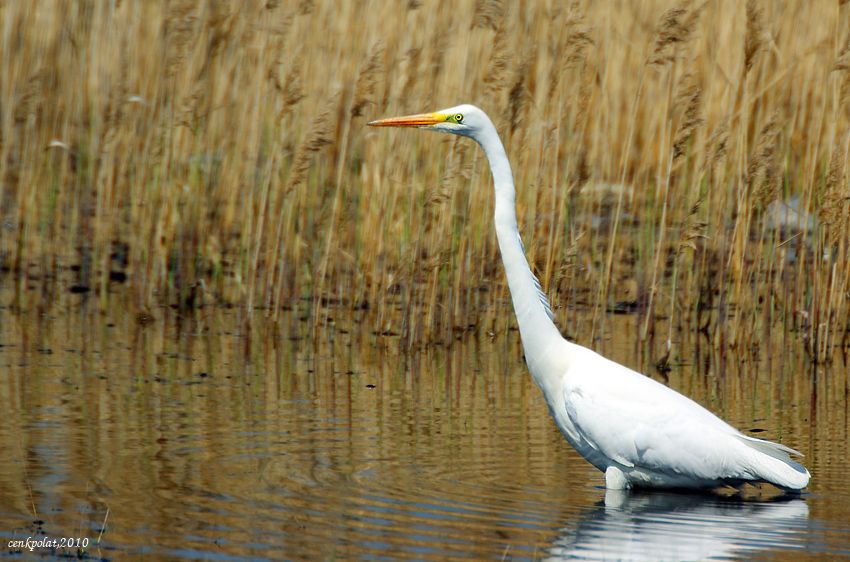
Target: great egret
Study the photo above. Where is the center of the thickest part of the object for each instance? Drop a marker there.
(639, 432)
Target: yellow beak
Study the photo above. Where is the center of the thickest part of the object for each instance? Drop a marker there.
(421, 120)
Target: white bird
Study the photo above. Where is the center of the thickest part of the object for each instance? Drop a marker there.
(639, 432)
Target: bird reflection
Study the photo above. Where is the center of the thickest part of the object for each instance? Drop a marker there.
(669, 526)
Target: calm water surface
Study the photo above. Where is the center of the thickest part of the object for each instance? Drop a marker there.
(200, 439)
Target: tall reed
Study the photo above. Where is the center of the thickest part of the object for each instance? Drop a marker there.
(686, 161)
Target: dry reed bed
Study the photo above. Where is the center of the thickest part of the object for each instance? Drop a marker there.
(216, 152)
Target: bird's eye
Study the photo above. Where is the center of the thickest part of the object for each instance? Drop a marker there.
(458, 117)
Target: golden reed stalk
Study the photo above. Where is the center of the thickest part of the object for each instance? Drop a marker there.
(200, 152)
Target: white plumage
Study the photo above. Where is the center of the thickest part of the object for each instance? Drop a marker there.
(634, 429)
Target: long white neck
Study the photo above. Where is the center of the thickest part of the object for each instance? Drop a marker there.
(532, 311)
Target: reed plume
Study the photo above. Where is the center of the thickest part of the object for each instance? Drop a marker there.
(674, 30)
(689, 98)
(518, 93)
(754, 38)
(488, 14)
(762, 174)
(364, 90)
(842, 67)
(318, 137)
(834, 209)
(496, 76)
(578, 39)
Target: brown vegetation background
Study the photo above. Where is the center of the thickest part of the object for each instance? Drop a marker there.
(684, 162)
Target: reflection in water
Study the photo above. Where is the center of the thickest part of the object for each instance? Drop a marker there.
(669, 526)
(202, 440)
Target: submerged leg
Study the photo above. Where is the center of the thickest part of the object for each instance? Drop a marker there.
(615, 479)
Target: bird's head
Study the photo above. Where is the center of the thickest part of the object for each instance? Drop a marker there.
(466, 120)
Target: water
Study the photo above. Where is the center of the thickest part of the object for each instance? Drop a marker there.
(201, 439)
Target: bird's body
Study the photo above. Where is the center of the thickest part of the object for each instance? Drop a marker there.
(634, 429)
(642, 433)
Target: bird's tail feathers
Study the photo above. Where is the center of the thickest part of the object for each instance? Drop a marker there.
(775, 450)
(775, 465)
